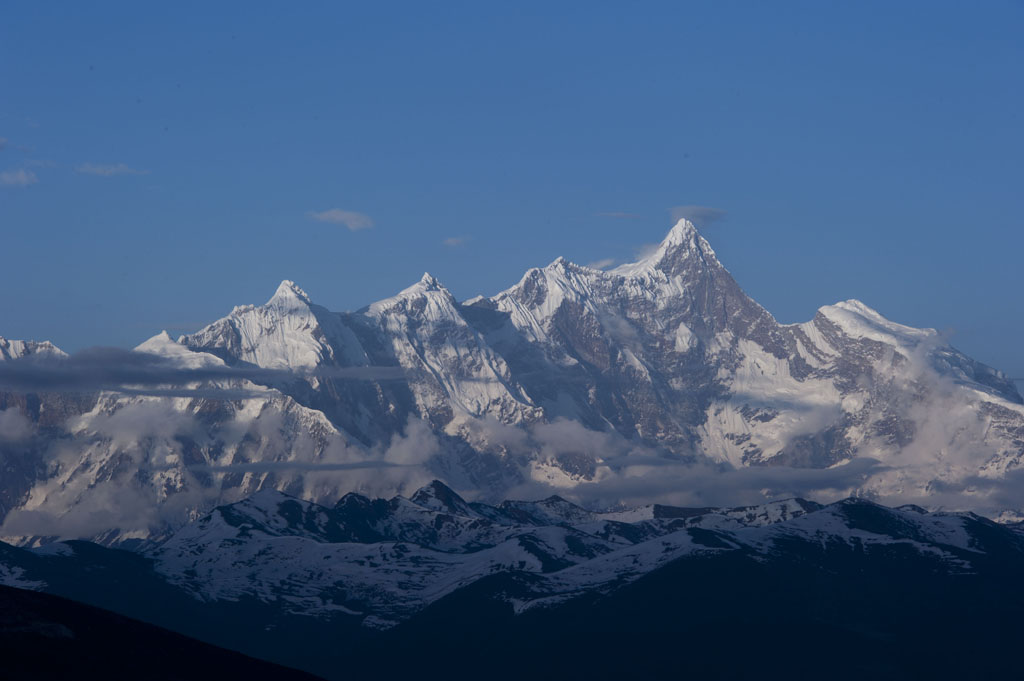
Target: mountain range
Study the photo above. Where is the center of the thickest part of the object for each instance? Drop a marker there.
(433, 586)
(659, 381)
(625, 473)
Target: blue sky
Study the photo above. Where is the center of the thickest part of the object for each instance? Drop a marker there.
(162, 165)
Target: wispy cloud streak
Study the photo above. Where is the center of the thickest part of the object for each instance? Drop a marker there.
(144, 373)
(108, 170)
(18, 178)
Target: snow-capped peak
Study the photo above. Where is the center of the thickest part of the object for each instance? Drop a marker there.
(164, 345)
(439, 497)
(858, 320)
(288, 331)
(427, 284)
(682, 242)
(682, 232)
(13, 349)
(289, 293)
(156, 342)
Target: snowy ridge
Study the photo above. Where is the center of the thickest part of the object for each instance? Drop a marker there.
(287, 332)
(15, 349)
(412, 565)
(461, 375)
(381, 561)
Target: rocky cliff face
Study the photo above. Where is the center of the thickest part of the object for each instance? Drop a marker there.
(656, 380)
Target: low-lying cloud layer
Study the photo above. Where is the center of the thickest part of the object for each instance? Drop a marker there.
(138, 462)
(628, 473)
(142, 373)
(150, 464)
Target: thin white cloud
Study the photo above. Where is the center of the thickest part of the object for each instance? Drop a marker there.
(601, 264)
(349, 218)
(18, 178)
(3, 143)
(109, 170)
(454, 241)
(702, 216)
(644, 251)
